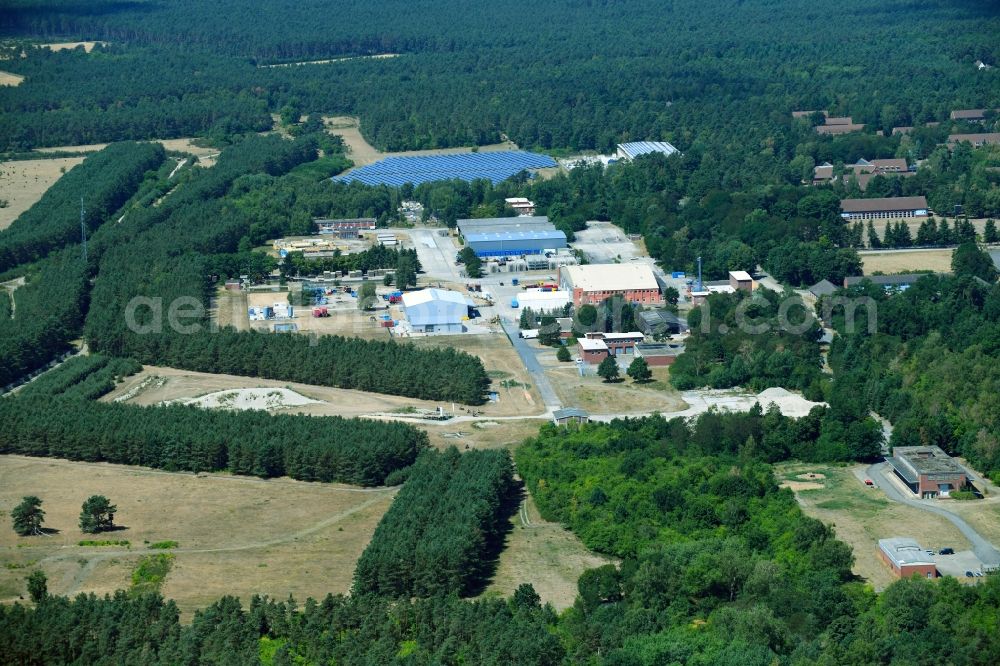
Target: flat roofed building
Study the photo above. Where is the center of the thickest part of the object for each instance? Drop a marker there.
(346, 228)
(839, 129)
(631, 150)
(618, 344)
(927, 470)
(523, 206)
(543, 301)
(899, 281)
(658, 354)
(902, 130)
(436, 310)
(594, 283)
(592, 351)
(498, 224)
(887, 208)
(660, 322)
(823, 173)
(740, 280)
(977, 140)
(906, 558)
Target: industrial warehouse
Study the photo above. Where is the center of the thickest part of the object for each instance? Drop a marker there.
(437, 310)
(595, 283)
(511, 236)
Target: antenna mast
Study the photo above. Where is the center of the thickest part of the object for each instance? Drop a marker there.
(83, 231)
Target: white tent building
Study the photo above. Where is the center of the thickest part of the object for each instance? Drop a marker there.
(436, 310)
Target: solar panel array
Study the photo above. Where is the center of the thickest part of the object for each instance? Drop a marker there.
(494, 166)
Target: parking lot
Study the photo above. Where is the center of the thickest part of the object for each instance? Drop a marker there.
(604, 243)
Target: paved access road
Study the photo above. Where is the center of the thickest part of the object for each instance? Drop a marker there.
(530, 360)
(984, 550)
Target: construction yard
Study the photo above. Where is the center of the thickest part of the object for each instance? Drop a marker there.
(23, 182)
(862, 515)
(294, 537)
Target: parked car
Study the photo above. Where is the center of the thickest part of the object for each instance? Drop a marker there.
(946, 551)
(869, 482)
(968, 574)
(978, 574)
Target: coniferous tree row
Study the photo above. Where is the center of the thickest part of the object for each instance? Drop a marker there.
(47, 314)
(443, 528)
(104, 181)
(178, 437)
(87, 377)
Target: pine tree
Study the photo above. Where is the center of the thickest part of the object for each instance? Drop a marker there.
(903, 237)
(873, 239)
(608, 369)
(563, 354)
(927, 234)
(639, 371)
(990, 234)
(28, 516)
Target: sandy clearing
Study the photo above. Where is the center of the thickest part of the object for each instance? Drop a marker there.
(62, 46)
(23, 182)
(800, 485)
(236, 535)
(268, 399)
(811, 476)
(10, 79)
(206, 156)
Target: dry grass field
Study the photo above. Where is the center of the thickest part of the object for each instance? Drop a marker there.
(23, 182)
(235, 535)
(517, 394)
(626, 397)
(904, 262)
(206, 156)
(9, 79)
(363, 153)
(862, 515)
(544, 554)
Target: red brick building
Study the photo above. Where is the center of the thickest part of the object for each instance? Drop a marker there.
(592, 351)
(595, 283)
(906, 558)
(927, 470)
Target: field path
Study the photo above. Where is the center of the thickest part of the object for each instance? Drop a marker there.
(93, 559)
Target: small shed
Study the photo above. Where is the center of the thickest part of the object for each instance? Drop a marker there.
(569, 415)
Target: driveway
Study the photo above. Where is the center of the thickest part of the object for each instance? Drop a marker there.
(884, 478)
(529, 357)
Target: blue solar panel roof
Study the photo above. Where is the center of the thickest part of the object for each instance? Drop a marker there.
(494, 166)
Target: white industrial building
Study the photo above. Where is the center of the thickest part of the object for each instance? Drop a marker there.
(543, 301)
(629, 151)
(436, 310)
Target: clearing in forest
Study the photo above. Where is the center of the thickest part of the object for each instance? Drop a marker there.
(234, 535)
(23, 182)
(545, 554)
(9, 79)
(862, 515)
(62, 46)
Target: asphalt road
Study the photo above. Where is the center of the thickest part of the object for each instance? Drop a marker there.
(984, 550)
(530, 360)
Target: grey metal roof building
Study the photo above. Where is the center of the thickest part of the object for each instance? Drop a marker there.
(927, 470)
(495, 224)
(900, 281)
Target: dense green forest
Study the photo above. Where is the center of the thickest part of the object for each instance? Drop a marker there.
(931, 368)
(445, 528)
(100, 185)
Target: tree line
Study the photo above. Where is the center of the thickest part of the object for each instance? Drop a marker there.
(101, 184)
(88, 377)
(178, 437)
(443, 530)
